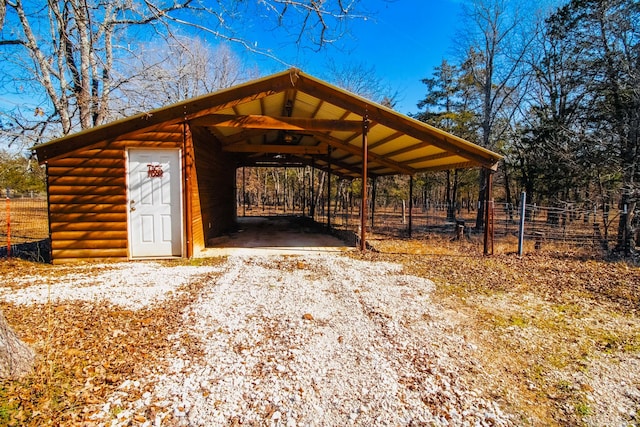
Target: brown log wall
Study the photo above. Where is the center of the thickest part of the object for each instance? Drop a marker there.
(195, 230)
(87, 198)
(215, 171)
(87, 193)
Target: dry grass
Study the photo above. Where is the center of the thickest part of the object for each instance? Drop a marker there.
(84, 351)
(29, 220)
(539, 321)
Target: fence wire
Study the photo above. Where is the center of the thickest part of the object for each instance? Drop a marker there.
(568, 225)
(23, 220)
(28, 221)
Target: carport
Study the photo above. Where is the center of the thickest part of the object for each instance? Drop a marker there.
(103, 182)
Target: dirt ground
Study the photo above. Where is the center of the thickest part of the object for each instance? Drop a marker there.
(274, 236)
(423, 332)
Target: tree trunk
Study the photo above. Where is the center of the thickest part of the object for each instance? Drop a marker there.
(320, 192)
(507, 191)
(16, 358)
(449, 200)
(481, 199)
(626, 233)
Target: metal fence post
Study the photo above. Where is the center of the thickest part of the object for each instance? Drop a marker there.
(523, 203)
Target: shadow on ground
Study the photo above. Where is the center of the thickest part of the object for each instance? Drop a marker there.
(39, 251)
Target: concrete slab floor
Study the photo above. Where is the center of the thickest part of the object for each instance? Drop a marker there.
(274, 236)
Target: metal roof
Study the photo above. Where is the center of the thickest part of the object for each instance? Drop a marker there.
(292, 118)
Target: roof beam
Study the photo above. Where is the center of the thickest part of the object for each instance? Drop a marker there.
(357, 151)
(241, 136)
(355, 170)
(278, 123)
(276, 149)
(385, 140)
(431, 157)
(409, 148)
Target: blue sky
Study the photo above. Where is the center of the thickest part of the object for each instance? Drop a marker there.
(404, 40)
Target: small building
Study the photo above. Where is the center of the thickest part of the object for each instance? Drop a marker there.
(162, 183)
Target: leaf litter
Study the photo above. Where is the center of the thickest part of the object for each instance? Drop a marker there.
(373, 339)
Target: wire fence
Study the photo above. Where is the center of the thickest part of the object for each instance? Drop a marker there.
(24, 221)
(24, 224)
(569, 225)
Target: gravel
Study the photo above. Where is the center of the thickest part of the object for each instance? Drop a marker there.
(313, 340)
(128, 285)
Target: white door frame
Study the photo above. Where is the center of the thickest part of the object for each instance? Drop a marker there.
(179, 209)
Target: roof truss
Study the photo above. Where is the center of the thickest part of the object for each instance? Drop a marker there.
(293, 118)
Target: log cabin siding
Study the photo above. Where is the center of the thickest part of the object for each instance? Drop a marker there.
(87, 205)
(194, 228)
(88, 193)
(88, 198)
(216, 173)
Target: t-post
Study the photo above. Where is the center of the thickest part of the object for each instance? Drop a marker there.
(523, 203)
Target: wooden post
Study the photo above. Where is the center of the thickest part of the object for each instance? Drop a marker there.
(459, 229)
(8, 202)
(312, 205)
(244, 195)
(329, 190)
(523, 211)
(363, 215)
(488, 215)
(374, 187)
(410, 205)
(188, 165)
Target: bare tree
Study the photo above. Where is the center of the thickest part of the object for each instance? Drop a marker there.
(494, 45)
(62, 54)
(3, 12)
(186, 68)
(362, 80)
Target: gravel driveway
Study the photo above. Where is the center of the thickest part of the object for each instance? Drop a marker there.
(309, 340)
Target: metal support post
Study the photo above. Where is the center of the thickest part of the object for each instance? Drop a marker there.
(329, 190)
(488, 215)
(312, 206)
(365, 152)
(374, 186)
(410, 205)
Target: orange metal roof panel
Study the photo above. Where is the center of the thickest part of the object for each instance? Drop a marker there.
(419, 153)
(453, 160)
(395, 144)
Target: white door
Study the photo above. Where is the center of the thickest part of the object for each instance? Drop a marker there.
(154, 203)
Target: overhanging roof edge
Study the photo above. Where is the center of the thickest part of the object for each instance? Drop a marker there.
(175, 112)
(259, 89)
(380, 113)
